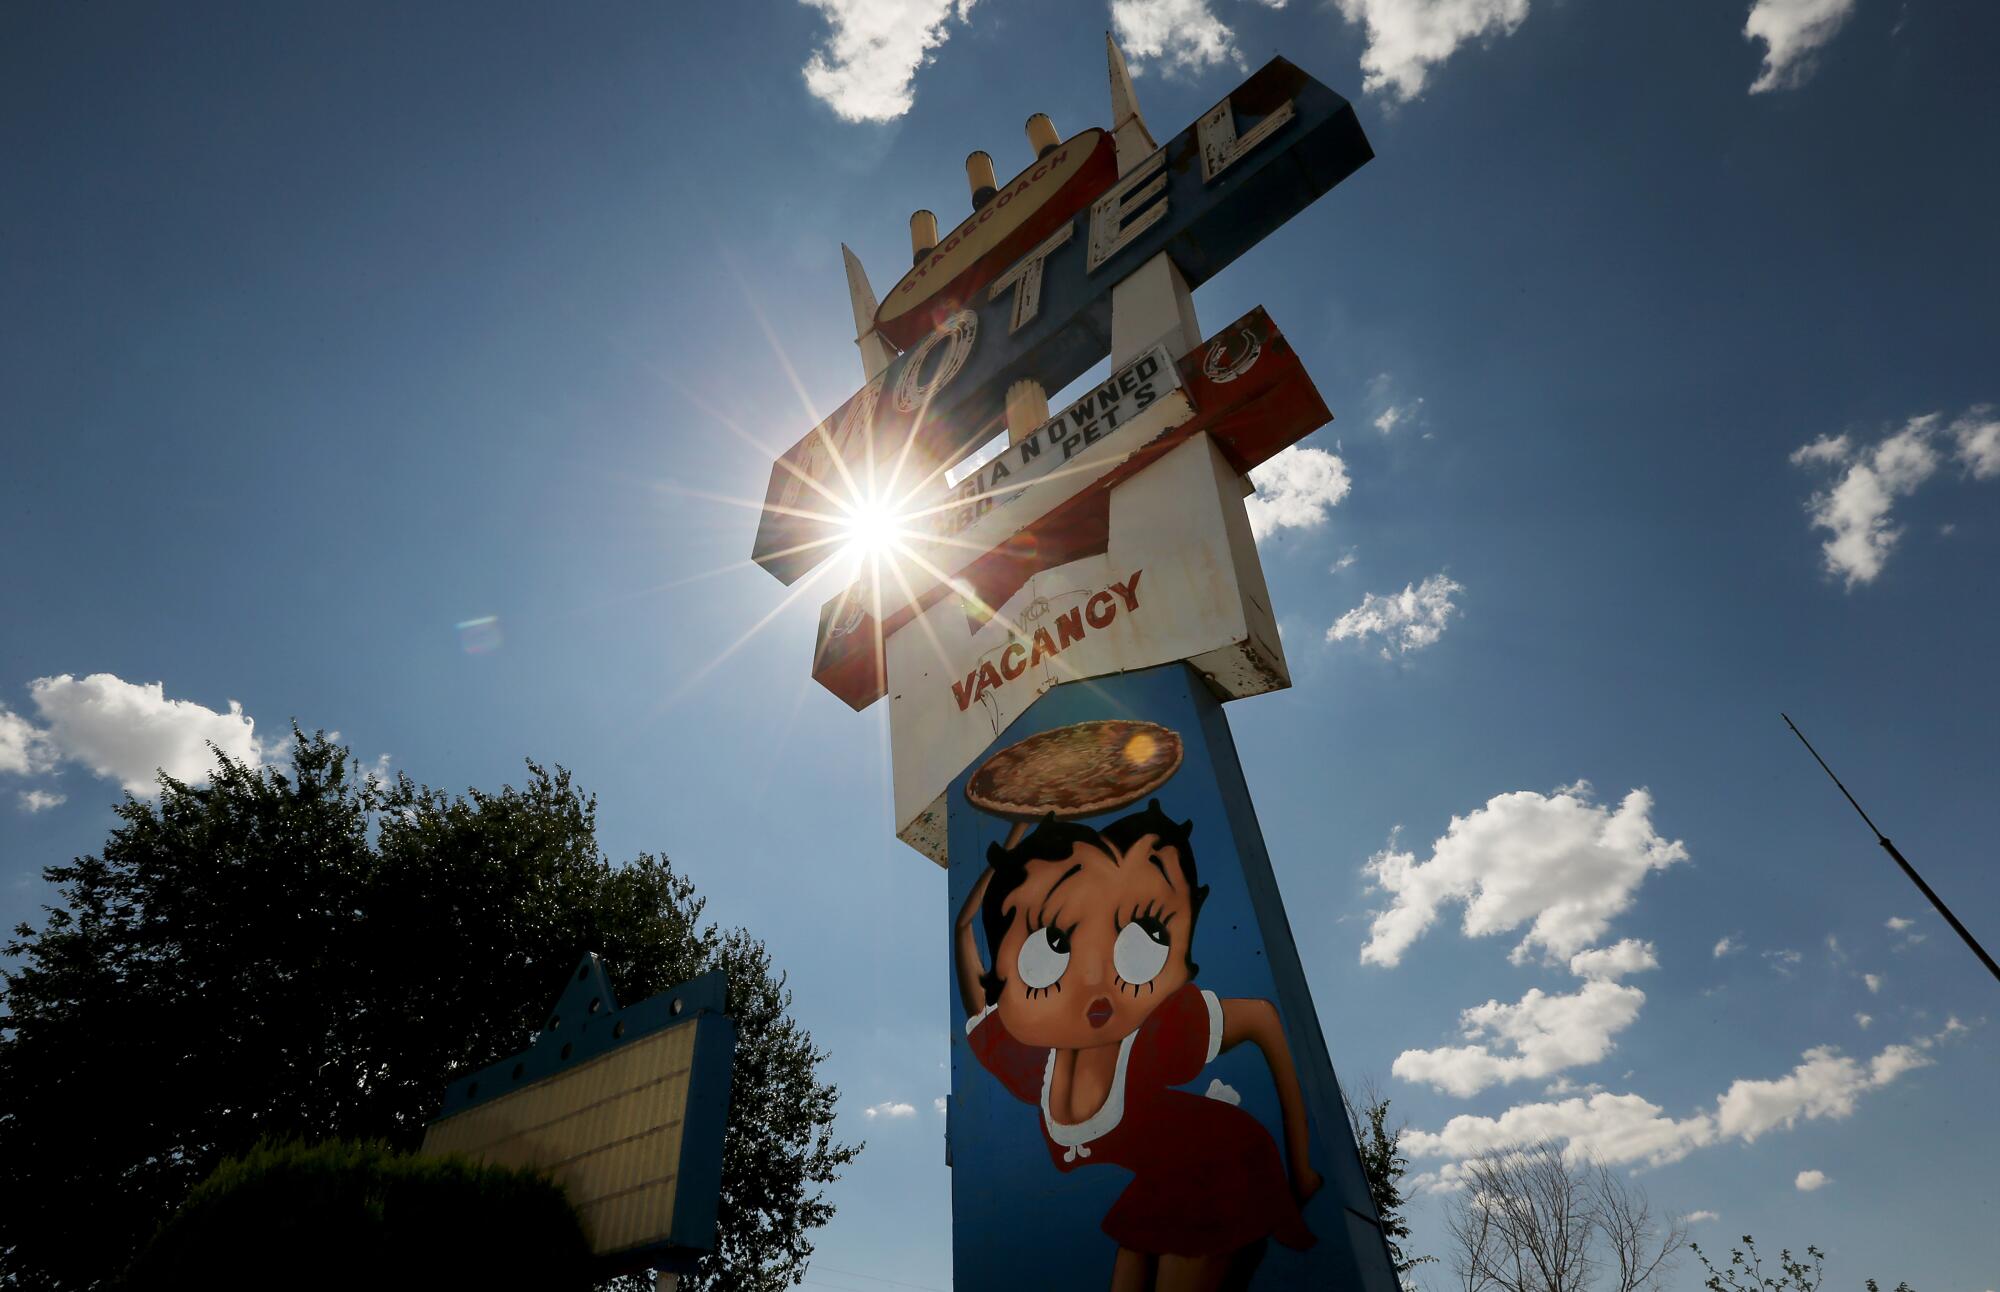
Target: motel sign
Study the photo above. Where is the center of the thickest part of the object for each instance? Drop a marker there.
(1141, 1093)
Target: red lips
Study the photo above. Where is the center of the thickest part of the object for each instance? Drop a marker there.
(1099, 1012)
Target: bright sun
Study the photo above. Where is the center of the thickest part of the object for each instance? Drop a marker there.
(871, 530)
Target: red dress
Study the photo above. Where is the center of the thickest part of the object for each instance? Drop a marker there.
(1206, 1176)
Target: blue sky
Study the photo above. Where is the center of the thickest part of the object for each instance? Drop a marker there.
(1661, 357)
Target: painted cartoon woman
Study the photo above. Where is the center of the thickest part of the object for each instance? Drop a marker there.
(1090, 1010)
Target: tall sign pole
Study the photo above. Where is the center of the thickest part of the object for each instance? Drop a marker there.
(1142, 1097)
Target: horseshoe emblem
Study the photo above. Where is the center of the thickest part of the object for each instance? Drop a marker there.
(846, 619)
(1219, 368)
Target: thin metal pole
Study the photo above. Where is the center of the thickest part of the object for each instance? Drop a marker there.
(1908, 869)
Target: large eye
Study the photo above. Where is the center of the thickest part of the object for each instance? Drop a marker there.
(1141, 951)
(1043, 958)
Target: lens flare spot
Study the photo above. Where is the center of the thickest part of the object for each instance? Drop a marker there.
(480, 636)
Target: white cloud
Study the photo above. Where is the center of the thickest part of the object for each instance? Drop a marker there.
(1874, 981)
(1696, 1217)
(1558, 863)
(1791, 30)
(1614, 962)
(1406, 38)
(24, 748)
(1807, 1181)
(1393, 414)
(1785, 961)
(1620, 1129)
(1978, 436)
(1863, 1020)
(1546, 1034)
(1408, 620)
(889, 1108)
(1295, 489)
(1347, 558)
(1185, 34)
(1726, 944)
(1615, 1129)
(1826, 1083)
(938, 1105)
(1826, 450)
(129, 732)
(1855, 509)
(864, 70)
(1907, 929)
(41, 800)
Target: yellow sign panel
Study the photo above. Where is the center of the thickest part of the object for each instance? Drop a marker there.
(609, 1130)
(625, 1109)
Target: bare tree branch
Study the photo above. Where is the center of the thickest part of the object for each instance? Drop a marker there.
(1539, 1218)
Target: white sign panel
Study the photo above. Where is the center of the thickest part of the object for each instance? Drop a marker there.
(1059, 441)
(1179, 579)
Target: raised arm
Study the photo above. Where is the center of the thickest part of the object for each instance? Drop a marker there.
(1256, 1021)
(970, 966)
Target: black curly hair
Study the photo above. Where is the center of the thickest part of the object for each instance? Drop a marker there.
(1053, 840)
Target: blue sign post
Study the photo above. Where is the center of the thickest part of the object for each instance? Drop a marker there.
(1147, 941)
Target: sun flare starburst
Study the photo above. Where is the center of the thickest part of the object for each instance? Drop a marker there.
(870, 529)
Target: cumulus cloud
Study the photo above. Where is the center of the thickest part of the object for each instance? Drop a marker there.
(1856, 508)
(889, 1108)
(1295, 489)
(1826, 1083)
(1613, 962)
(1807, 1181)
(1184, 34)
(1978, 436)
(1407, 38)
(1622, 1129)
(938, 1105)
(1791, 30)
(1535, 1037)
(24, 749)
(1614, 1129)
(1558, 863)
(1696, 1217)
(865, 69)
(1863, 1020)
(1874, 981)
(41, 800)
(1726, 944)
(1405, 621)
(131, 732)
(1897, 923)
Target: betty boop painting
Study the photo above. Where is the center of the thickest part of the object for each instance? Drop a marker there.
(1090, 1011)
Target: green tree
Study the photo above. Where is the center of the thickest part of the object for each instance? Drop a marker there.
(341, 1215)
(305, 952)
(1383, 1163)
